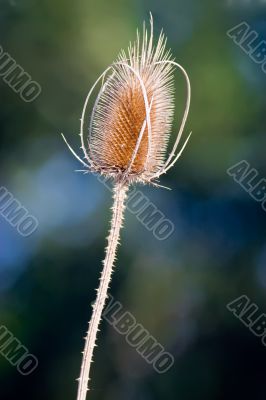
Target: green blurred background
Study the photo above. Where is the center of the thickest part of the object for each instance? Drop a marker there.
(178, 288)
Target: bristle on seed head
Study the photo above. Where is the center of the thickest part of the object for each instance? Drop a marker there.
(132, 116)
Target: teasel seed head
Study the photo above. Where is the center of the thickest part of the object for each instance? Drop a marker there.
(131, 120)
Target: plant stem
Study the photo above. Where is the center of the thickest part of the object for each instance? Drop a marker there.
(112, 243)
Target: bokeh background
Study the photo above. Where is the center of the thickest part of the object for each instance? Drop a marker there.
(178, 288)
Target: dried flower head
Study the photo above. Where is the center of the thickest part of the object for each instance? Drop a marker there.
(129, 130)
(132, 116)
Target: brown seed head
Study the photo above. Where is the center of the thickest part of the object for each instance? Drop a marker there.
(133, 113)
(139, 87)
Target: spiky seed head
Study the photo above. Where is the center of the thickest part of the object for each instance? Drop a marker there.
(131, 119)
(120, 111)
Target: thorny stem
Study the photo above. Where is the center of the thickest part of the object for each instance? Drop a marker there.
(120, 191)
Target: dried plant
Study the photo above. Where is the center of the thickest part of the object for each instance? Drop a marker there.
(129, 130)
